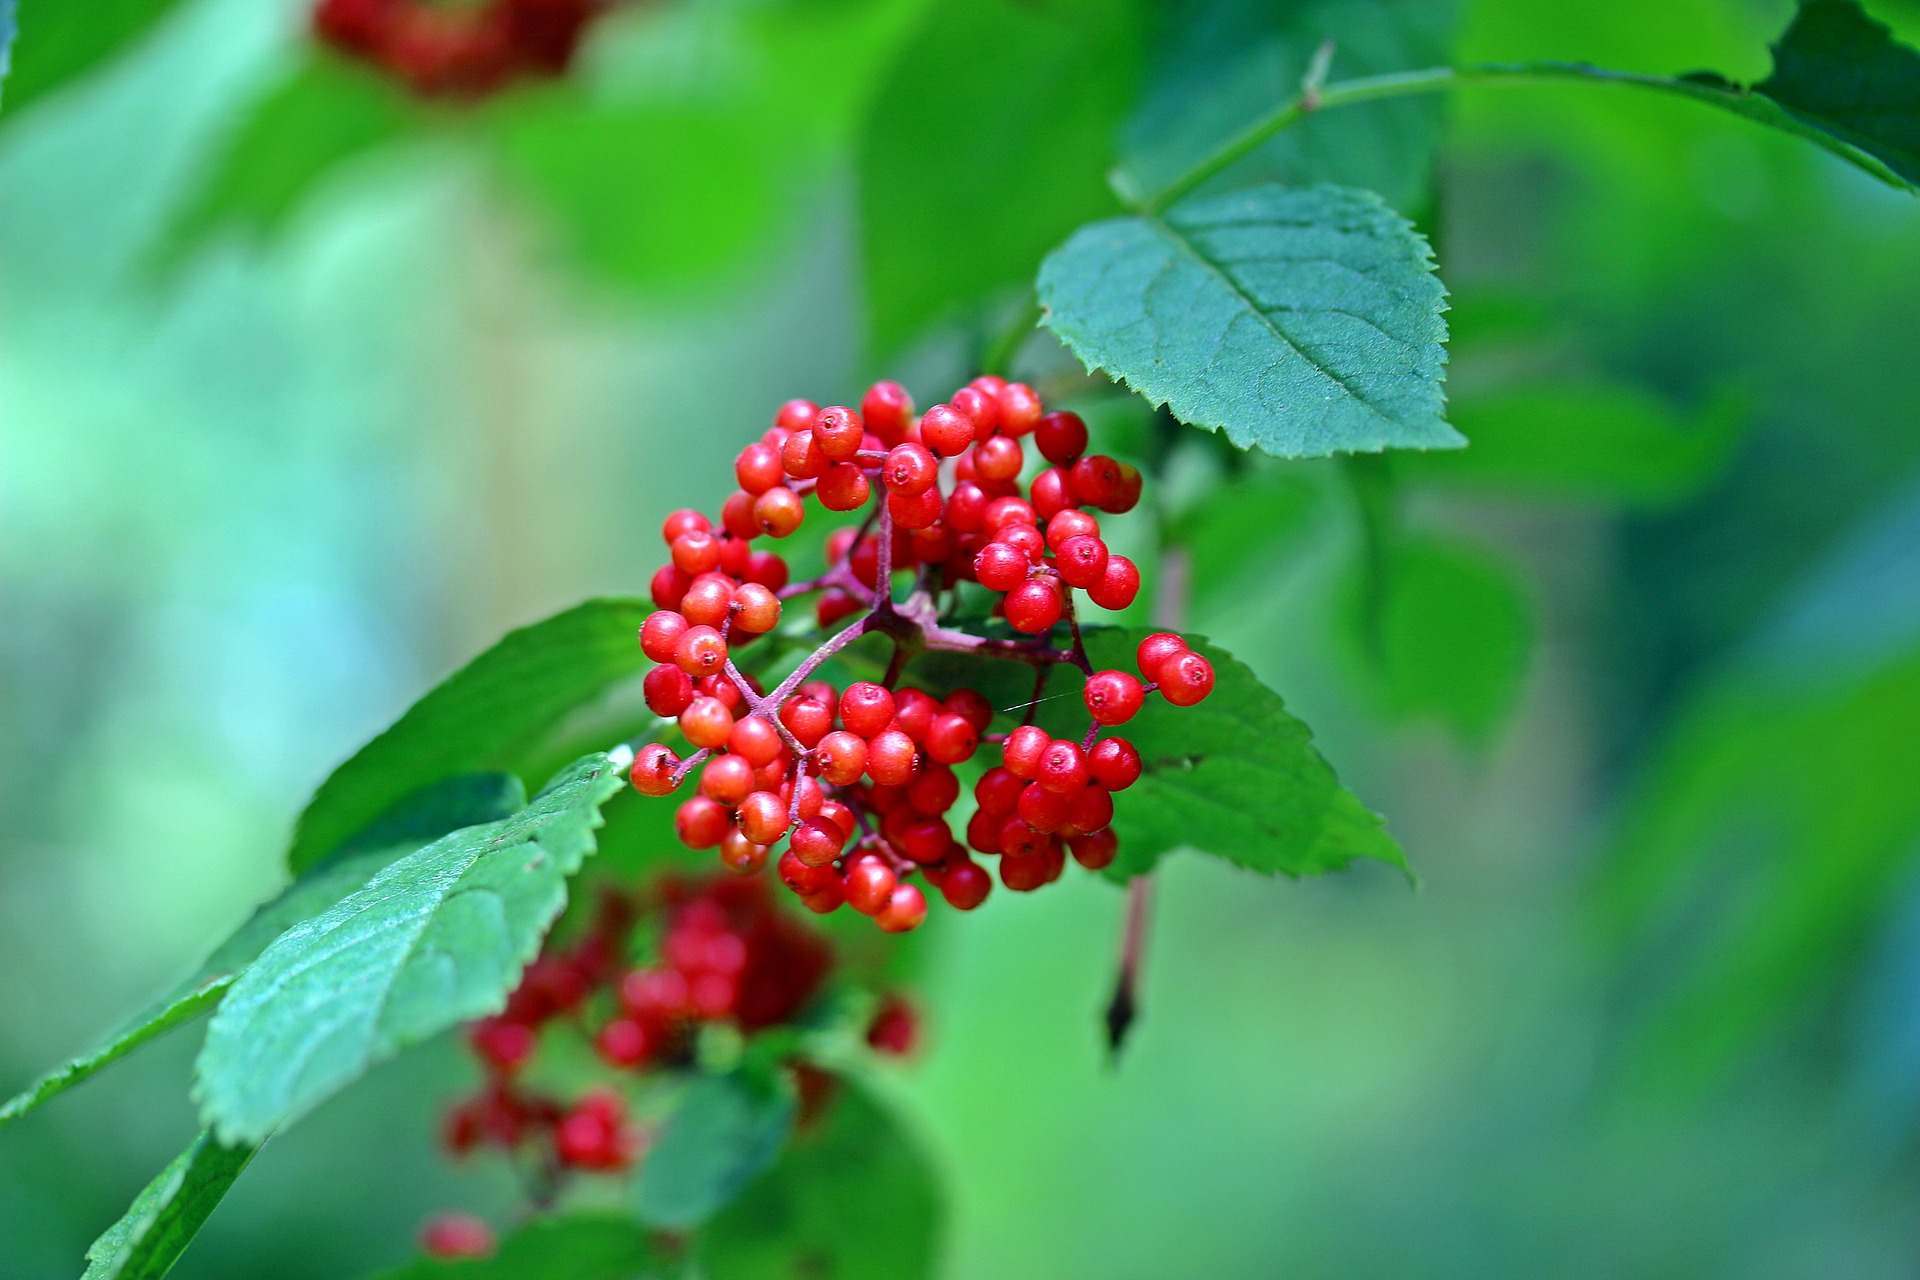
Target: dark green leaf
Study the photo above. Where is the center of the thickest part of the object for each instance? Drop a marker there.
(852, 1199)
(490, 714)
(1450, 639)
(1588, 440)
(62, 41)
(304, 130)
(1300, 322)
(725, 1131)
(457, 802)
(165, 1217)
(432, 940)
(1225, 62)
(989, 140)
(584, 1247)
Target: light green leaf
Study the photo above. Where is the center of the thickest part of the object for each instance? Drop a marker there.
(164, 1218)
(724, 1133)
(457, 802)
(852, 1199)
(1224, 62)
(491, 714)
(989, 140)
(434, 939)
(301, 132)
(582, 1247)
(1300, 322)
(1586, 439)
(62, 42)
(1450, 637)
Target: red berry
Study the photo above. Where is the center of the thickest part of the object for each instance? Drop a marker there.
(755, 609)
(946, 431)
(756, 741)
(653, 766)
(868, 884)
(1034, 605)
(807, 719)
(700, 651)
(906, 908)
(696, 552)
(998, 790)
(1061, 437)
(1002, 512)
(701, 823)
(888, 411)
(796, 415)
(838, 431)
(980, 408)
(866, 708)
(843, 488)
(708, 600)
(951, 739)
(1024, 874)
(1062, 768)
(1118, 587)
(706, 722)
(1156, 649)
(1082, 561)
(778, 511)
(504, 1046)
(668, 690)
(998, 459)
(1090, 810)
(817, 843)
(805, 880)
(892, 758)
(1018, 840)
(909, 469)
(965, 885)
(967, 508)
(841, 757)
(1114, 763)
(1097, 481)
(913, 712)
(624, 1042)
(1050, 493)
(1042, 808)
(1127, 497)
(1095, 849)
(1020, 409)
(727, 778)
(1025, 538)
(801, 456)
(920, 511)
(669, 585)
(1070, 524)
(895, 1028)
(833, 605)
(739, 853)
(768, 569)
(1185, 679)
(683, 521)
(934, 791)
(1023, 750)
(1000, 566)
(972, 706)
(983, 831)
(763, 817)
(1113, 697)
(759, 467)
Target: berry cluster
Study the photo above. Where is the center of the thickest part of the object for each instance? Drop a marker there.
(457, 50)
(726, 954)
(859, 780)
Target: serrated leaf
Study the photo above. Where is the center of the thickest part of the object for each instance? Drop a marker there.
(490, 715)
(457, 802)
(1451, 637)
(1225, 62)
(63, 42)
(963, 187)
(582, 1247)
(852, 1199)
(434, 939)
(1299, 322)
(724, 1132)
(163, 1219)
(303, 130)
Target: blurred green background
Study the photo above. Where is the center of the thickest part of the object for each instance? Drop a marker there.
(1642, 702)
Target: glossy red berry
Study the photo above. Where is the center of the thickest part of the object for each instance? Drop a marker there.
(892, 758)
(1082, 561)
(706, 722)
(1156, 649)
(868, 884)
(1061, 437)
(1034, 605)
(759, 467)
(906, 908)
(1020, 409)
(1114, 763)
(1095, 849)
(817, 843)
(909, 469)
(1113, 697)
(668, 690)
(1118, 587)
(1185, 679)
(763, 817)
(653, 768)
(980, 408)
(1062, 767)
(802, 458)
(796, 415)
(952, 739)
(755, 609)
(888, 411)
(683, 521)
(1023, 750)
(755, 740)
(660, 633)
(778, 511)
(965, 885)
(946, 430)
(1000, 566)
(843, 488)
(866, 708)
(841, 757)
(838, 431)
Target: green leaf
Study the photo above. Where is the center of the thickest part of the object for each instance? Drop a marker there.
(63, 41)
(301, 132)
(989, 140)
(457, 802)
(582, 1247)
(852, 1199)
(164, 1218)
(1300, 322)
(492, 714)
(724, 1133)
(434, 939)
(1451, 639)
(1587, 439)
(1225, 62)
(1840, 81)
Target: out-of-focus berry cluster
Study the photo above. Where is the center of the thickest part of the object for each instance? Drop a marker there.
(458, 50)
